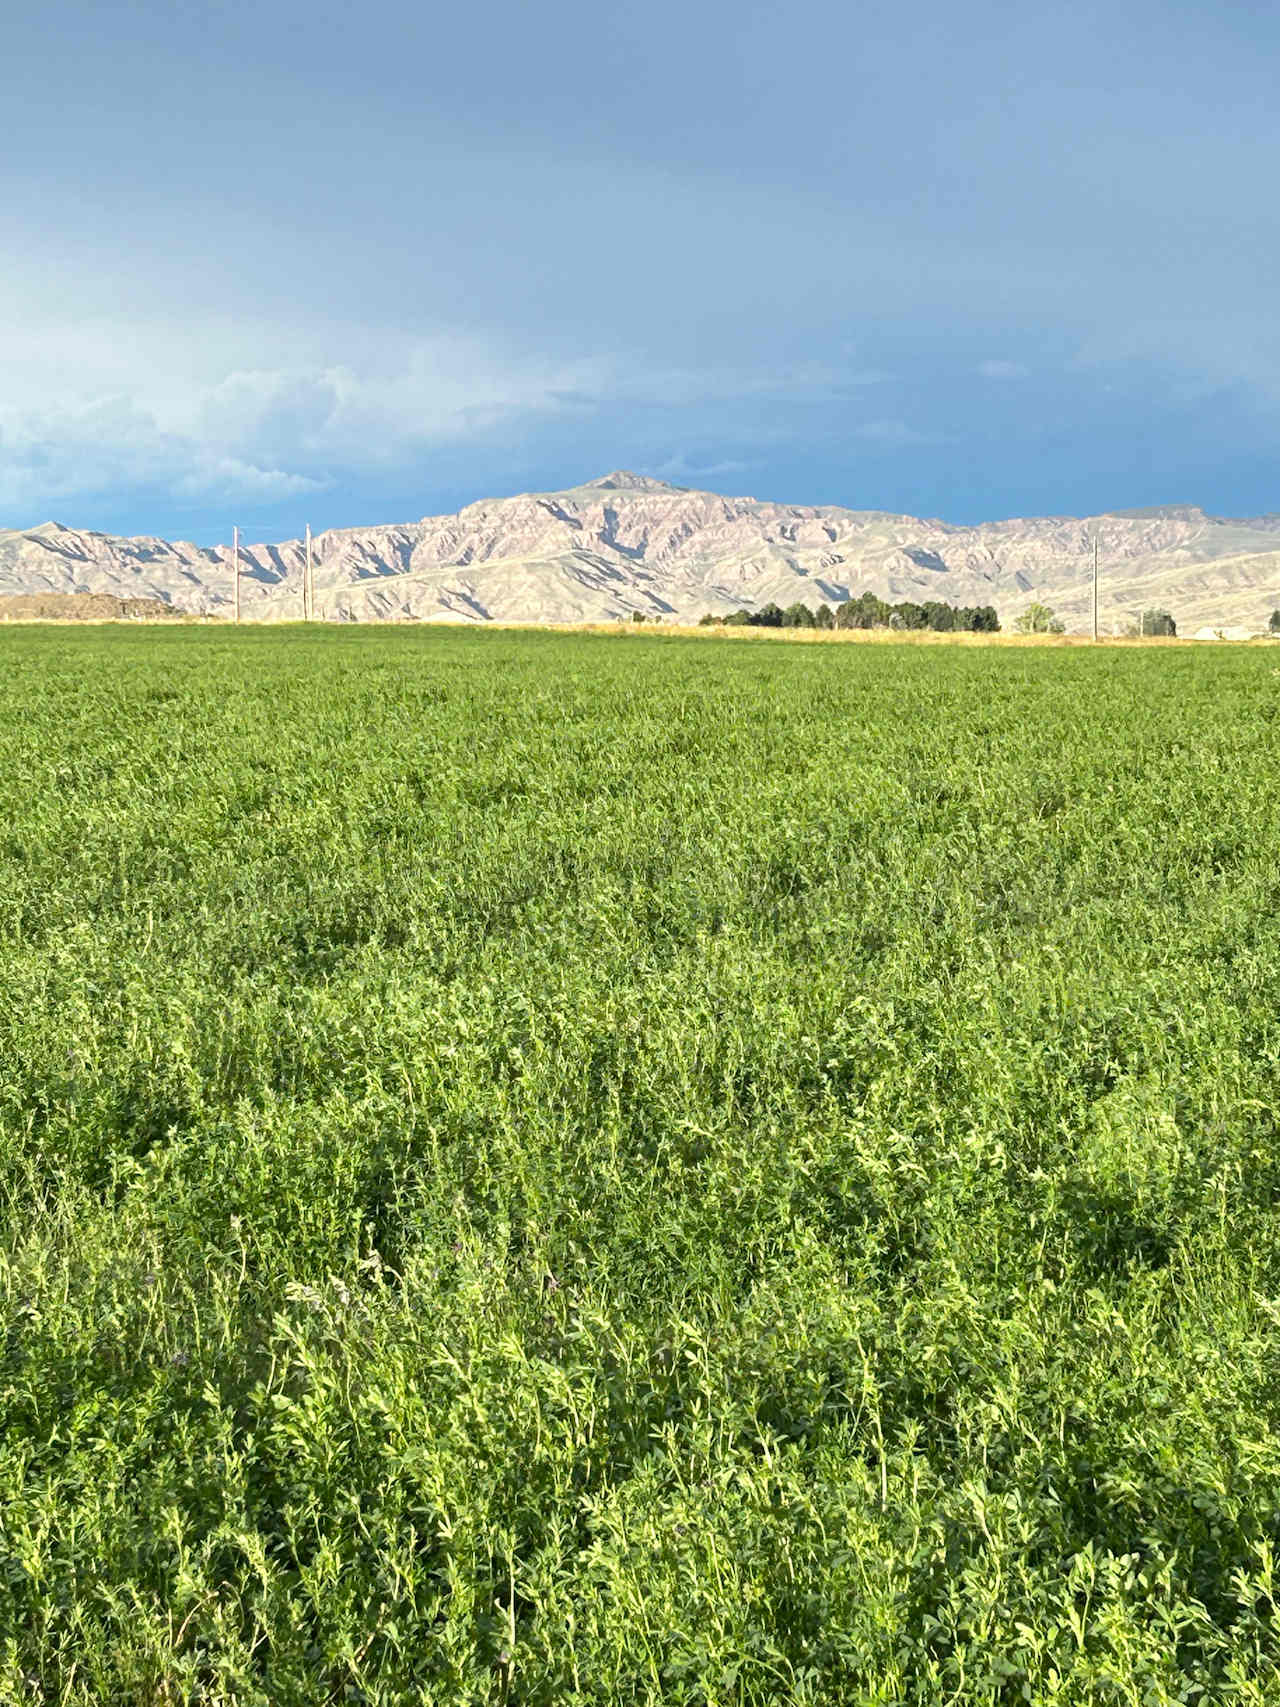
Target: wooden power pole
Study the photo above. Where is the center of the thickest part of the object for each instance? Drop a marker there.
(235, 560)
(1095, 587)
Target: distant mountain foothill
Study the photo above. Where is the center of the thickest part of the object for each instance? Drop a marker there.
(628, 544)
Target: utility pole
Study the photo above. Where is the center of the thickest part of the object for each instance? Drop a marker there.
(235, 559)
(1095, 589)
(308, 586)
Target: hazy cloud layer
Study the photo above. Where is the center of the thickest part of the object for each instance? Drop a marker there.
(387, 259)
(137, 407)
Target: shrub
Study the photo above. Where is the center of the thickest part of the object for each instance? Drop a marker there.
(1038, 619)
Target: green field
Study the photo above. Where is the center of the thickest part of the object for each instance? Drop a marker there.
(562, 1169)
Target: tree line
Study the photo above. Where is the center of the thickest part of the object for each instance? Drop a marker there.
(866, 611)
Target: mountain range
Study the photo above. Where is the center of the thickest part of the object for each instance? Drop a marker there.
(628, 543)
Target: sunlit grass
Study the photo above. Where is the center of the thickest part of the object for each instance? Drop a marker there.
(541, 1169)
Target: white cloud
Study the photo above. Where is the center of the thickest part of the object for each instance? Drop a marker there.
(256, 411)
(1000, 369)
(57, 455)
(229, 478)
(201, 411)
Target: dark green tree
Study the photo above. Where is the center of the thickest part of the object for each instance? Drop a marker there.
(1275, 622)
(866, 611)
(1159, 624)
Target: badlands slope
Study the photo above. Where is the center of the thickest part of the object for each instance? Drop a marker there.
(629, 543)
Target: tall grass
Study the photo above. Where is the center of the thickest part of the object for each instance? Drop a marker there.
(566, 1169)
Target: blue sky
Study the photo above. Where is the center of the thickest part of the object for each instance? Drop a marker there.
(271, 263)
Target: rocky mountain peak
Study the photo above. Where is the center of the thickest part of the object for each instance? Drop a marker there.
(622, 480)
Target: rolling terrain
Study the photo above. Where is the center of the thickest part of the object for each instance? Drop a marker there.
(627, 543)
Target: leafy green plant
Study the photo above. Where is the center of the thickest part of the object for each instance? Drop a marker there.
(1038, 619)
(573, 1169)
